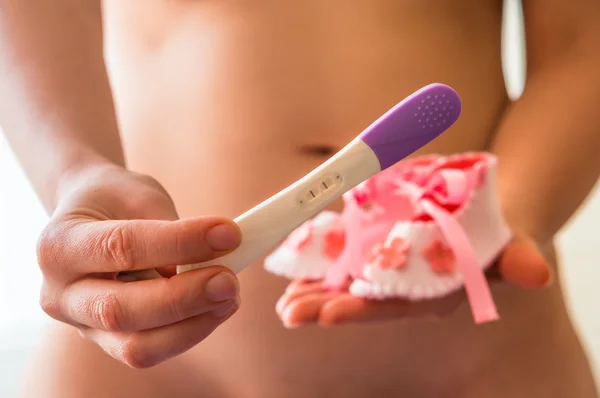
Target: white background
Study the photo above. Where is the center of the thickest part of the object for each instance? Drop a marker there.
(22, 217)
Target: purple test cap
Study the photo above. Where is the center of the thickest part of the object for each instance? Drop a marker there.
(412, 123)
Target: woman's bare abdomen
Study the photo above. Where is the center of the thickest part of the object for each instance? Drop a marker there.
(225, 103)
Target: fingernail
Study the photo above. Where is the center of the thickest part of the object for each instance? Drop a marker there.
(226, 309)
(280, 306)
(223, 286)
(549, 282)
(223, 237)
(286, 320)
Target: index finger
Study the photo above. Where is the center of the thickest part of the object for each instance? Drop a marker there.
(82, 246)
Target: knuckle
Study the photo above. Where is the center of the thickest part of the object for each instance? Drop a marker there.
(179, 306)
(118, 246)
(107, 312)
(47, 248)
(49, 304)
(133, 354)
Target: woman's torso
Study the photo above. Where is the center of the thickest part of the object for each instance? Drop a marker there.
(227, 102)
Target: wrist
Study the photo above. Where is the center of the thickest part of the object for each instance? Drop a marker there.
(526, 222)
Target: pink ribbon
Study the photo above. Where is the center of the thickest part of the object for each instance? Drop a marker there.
(451, 187)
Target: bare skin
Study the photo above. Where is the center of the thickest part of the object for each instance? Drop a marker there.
(225, 103)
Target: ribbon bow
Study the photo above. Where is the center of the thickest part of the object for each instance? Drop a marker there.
(448, 188)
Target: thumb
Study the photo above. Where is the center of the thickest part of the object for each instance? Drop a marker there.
(522, 264)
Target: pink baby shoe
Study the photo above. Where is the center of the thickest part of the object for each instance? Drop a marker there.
(456, 232)
(310, 250)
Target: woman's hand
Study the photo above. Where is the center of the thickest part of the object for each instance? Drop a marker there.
(108, 257)
(520, 264)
